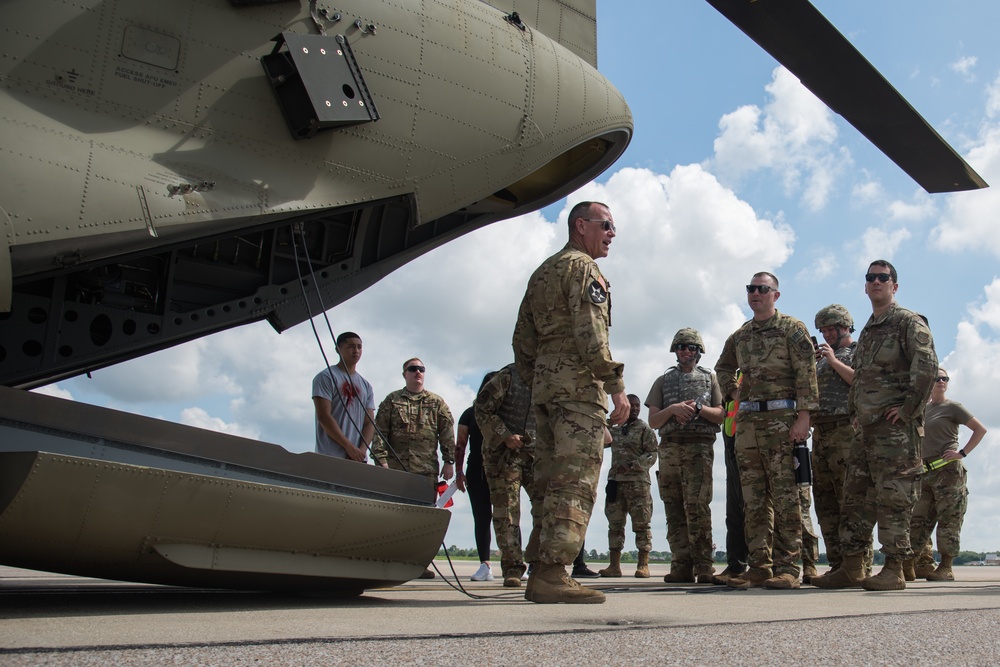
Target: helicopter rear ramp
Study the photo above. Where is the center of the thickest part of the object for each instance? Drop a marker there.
(95, 492)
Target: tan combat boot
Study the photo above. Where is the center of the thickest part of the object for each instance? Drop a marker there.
(849, 575)
(908, 570)
(889, 579)
(642, 567)
(786, 581)
(808, 572)
(530, 585)
(752, 578)
(943, 572)
(679, 574)
(552, 585)
(921, 570)
(615, 569)
(704, 574)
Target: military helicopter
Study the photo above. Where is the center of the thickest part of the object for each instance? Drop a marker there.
(176, 169)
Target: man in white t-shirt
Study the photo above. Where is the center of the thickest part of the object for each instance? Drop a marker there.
(345, 404)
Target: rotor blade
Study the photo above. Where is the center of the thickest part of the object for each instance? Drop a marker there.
(801, 39)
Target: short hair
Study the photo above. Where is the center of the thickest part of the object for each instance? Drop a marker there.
(347, 335)
(631, 396)
(773, 277)
(886, 264)
(407, 362)
(580, 211)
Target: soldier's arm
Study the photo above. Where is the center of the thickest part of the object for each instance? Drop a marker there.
(918, 345)
(584, 288)
(803, 358)
(380, 452)
(487, 403)
(648, 447)
(525, 340)
(726, 367)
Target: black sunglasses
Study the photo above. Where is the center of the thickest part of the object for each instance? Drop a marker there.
(881, 277)
(942, 378)
(608, 225)
(416, 369)
(763, 289)
(690, 347)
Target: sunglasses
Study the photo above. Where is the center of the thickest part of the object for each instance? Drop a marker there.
(607, 224)
(690, 347)
(881, 277)
(416, 369)
(943, 378)
(763, 289)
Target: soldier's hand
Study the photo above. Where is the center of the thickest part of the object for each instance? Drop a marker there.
(892, 414)
(448, 471)
(513, 442)
(683, 412)
(621, 409)
(460, 481)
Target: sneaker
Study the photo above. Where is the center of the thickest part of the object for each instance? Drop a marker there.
(584, 573)
(484, 573)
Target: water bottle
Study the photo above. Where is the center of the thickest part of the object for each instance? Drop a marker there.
(802, 460)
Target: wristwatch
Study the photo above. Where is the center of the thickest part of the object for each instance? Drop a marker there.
(697, 408)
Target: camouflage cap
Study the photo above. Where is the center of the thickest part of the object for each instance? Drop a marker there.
(688, 336)
(832, 315)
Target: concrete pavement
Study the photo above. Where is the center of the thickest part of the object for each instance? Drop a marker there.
(58, 620)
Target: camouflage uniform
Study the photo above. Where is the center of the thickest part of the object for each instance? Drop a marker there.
(561, 346)
(943, 494)
(414, 425)
(633, 447)
(777, 360)
(503, 409)
(831, 440)
(894, 365)
(685, 474)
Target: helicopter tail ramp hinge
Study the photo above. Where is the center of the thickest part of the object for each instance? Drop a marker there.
(318, 83)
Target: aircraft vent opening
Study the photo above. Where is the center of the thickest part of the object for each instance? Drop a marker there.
(318, 83)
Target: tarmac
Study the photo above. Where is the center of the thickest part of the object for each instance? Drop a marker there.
(51, 619)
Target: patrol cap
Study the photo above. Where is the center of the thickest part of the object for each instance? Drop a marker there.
(833, 315)
(688, 336)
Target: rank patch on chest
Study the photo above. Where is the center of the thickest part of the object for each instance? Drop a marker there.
(597, 292)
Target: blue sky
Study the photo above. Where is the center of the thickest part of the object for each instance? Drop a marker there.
(733, 168)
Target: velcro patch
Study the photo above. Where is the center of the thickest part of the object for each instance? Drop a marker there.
(597, 292)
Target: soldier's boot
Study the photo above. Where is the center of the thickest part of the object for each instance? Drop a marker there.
(786, 581)
(615, 568)
(908, 570)
(943, 572)
(512, 575)
(752, 578)
(849, 575)
(642, 567)
(552, 585)
(529, 586)
(808, 572)
(679, 574)
(889, 579)
(921, 570)
(723, 577)
(704, 574)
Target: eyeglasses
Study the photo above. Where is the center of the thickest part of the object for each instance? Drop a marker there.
(763, 289)
(881, 277)
(690, 347)
(942, 378)
(416, 369)
(607, 224)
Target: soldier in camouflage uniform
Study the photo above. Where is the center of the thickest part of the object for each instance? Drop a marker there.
(416, 422)
(943, 494)
(685, 404)
(777, 394)
(507, 419)
(832, 429)
(633, 453)
(894, 370)
(561, 347)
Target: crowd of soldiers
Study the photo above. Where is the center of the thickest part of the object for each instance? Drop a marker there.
(544, 424)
